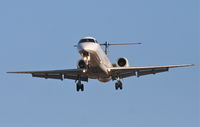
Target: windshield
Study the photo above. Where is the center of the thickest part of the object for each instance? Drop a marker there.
(87, 40)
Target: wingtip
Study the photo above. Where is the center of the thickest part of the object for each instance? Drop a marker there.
(10, 72)
(187, 65)
(13, 72)
(190, 65)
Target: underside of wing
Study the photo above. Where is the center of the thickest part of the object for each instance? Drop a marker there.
(123, 72)
(75, 74)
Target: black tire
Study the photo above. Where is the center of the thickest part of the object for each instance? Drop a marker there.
(77, 88)
(116, 86)
(120, 86)
(82, 87)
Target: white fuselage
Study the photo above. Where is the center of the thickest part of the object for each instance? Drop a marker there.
(98, 61)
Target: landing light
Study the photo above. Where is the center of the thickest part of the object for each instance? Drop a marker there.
(86, 58)
(84, 70)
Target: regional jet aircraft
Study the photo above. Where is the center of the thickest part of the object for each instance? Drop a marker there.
(95, 64)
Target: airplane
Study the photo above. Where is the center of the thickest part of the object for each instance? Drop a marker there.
(95, 64)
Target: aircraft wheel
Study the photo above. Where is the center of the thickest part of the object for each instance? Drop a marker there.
(116, 86)
(82, 87)
(79, 86)
(120, 85)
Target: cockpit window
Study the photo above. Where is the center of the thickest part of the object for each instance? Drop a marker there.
(87, 40)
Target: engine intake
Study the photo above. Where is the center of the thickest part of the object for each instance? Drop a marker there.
(81, 64)
(122, 62)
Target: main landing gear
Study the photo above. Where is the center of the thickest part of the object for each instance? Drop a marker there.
(118, 85)
(79, 86)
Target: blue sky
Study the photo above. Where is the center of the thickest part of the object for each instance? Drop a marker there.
(40, 34)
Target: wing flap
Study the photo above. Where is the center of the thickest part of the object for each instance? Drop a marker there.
(124, 75)
(75, 74)
(76, 77)
(47, 76)
(123, 72)
(118, 69)
(66, 71)
(151, 71)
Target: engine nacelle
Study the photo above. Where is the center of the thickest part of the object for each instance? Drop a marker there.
(81, 64)
(122, 62)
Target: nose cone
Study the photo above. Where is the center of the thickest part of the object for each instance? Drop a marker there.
(89, 47)
(86, 46)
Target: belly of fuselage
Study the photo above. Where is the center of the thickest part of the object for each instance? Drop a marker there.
(96, 68)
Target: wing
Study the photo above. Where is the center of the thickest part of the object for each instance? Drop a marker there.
(123, 72)
(75, 74)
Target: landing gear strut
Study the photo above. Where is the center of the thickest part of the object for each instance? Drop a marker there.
(118, 85)
(79, 86)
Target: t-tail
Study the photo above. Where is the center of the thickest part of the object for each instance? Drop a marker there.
(106, 44)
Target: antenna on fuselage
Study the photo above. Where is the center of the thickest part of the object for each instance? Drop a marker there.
(106, 44)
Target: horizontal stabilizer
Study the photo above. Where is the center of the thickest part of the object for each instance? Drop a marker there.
(130, 43)
(106, 44)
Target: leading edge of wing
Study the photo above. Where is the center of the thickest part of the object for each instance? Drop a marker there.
(149, 67)
(65, 71)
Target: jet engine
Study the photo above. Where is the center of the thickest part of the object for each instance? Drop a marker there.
(81, 64)
(122, 62)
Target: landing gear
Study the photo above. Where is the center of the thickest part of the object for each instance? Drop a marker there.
(118, 85)
(79, 86)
